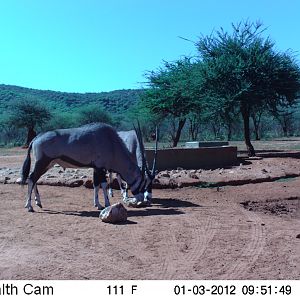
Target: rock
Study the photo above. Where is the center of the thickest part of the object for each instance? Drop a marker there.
(50, 176)
(114, 214)
(193, 175)
(298, 236)
(75, 183)
(18, 180)
(89, 184)
(172, 183)
(177, 175)
(164, 174)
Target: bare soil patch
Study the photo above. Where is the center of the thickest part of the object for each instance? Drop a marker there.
(188, 233)
(289, 207)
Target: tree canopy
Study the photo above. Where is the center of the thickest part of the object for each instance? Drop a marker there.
(171, 93)
(243, 71)
(93, 113)
(28, 113)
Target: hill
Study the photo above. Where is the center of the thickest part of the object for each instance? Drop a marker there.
(115, 102)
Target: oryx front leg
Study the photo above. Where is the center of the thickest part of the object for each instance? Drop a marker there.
(102, 179)
(124, 192)
(104, 189)
(110, 191)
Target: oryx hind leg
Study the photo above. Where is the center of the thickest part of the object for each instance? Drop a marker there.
(37, 196)
(96, 184)
(39, 169)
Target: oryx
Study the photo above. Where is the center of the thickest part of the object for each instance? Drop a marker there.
(137, 151)
(96, 146)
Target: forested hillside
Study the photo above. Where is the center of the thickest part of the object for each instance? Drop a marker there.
(47, 110)
(115, 101)
(67, 108)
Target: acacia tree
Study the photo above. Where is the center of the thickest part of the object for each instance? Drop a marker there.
(285, 118)
(28, 113)
(171, 94)
(244, 70)
(93, 113)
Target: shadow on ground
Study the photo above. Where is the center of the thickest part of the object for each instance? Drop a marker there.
(171, 202)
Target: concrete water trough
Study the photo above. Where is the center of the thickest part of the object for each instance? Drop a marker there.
(197, 144)
(194, 158)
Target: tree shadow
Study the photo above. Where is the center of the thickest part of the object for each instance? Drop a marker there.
(171, 202)
(89, 214)
(153, 212)
(161, 207)
(84, 213)
(273, 153)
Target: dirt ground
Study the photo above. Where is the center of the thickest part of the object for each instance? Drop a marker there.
(246, 231)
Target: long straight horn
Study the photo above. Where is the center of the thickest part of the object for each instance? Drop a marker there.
(140, 140)
(142, 147)
(155, 153)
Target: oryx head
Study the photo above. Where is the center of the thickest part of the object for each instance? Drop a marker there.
(147, 175)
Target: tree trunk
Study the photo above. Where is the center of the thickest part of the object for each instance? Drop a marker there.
(256, 129)
(229, 132)
(214, 128)
(178, 132)
(246, 119)
(31, 134)
(193, 131)
(285, 127)
(228, 124)
(256, 122)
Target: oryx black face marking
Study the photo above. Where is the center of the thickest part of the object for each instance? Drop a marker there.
(133, 141)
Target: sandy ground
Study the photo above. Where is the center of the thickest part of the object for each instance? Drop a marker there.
(250, 231)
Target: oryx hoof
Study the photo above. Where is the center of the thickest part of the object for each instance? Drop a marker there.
(148, 202)
(30, 209)
(39, 204)
(99, 207)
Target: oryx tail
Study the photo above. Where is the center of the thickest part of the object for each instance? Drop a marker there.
(26, 166)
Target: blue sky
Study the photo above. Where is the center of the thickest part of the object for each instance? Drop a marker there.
(97, 45)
